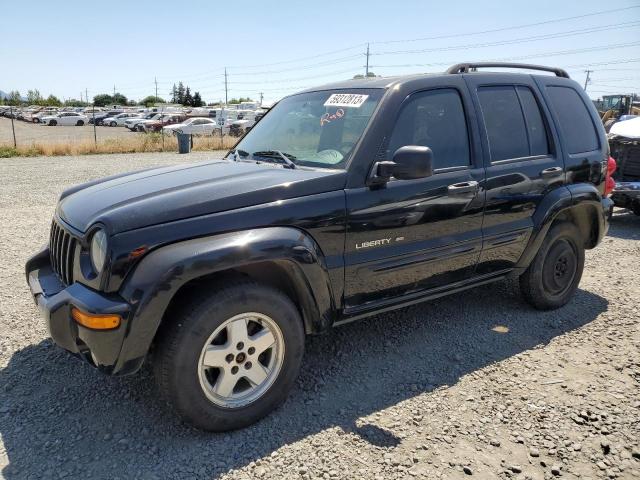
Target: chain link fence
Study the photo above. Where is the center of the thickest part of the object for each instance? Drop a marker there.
(31, 132)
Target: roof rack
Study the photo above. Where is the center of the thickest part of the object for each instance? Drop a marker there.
(469, 67)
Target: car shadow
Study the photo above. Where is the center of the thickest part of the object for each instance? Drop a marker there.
(624, 224)
(60, 417)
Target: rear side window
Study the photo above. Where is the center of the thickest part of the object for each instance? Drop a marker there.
(536, 131)
(577, 128)
(434, 119)
(513, 121)
(504, 122)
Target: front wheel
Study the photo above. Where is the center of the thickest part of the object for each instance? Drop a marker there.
(79, 123)
(53, 123)
(230, 358)
(555, 272)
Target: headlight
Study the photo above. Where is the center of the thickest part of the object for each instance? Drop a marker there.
(98, 250)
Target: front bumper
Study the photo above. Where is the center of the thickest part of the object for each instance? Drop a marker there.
(626, 194)
(101, 348)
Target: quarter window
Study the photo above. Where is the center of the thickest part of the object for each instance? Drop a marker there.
(434, 119)
(576, 124)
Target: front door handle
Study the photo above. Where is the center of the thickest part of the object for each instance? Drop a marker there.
(552, 172)
(463, 187)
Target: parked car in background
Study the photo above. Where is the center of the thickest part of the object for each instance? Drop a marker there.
(65, 118)
(118, 120)
(193, 126)
(134, 122)
(47, 112)
(157, 124)
(99, 118)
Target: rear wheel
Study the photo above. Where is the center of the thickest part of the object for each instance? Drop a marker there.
(53, 123)
(79, 123)
(554, 275)
(113, 124)
(230, 358)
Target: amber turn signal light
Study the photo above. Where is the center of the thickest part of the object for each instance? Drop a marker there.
(95, 322)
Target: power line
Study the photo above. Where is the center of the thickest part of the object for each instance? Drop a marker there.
(569, 33)
(504, 29)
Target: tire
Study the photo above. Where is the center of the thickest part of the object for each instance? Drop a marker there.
(79, 123)
(635, 207)
(197, 392)
(53, 123)
(555, 272)
(113, 124)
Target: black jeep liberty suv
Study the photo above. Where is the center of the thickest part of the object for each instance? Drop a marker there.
(342, 202)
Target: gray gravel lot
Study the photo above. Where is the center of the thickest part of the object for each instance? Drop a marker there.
(478, 384)
(28, 133)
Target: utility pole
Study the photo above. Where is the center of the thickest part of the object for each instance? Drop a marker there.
(114, 90)
(80, 96)
(586, 80)
(156, 82)
(261, 97)
(86, 95)
(13, 129)
(366, 68)
(226, 88)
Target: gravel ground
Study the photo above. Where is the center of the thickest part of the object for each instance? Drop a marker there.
(28, 133)
(446, 389)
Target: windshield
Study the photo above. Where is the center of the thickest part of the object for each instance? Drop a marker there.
(317, 129)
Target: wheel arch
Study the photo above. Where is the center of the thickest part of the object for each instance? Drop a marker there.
(579, 204)
(283, 257)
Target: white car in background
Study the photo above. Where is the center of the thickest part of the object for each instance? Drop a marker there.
(193, 126)
(118, 120)
(65, 118)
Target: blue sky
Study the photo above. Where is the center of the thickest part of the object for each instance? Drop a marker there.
(280, 47)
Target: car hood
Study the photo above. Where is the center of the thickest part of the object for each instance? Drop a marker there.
(160, 195)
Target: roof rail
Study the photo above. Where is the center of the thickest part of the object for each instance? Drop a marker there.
(468, 67)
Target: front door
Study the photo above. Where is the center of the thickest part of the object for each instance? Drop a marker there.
(411, 236)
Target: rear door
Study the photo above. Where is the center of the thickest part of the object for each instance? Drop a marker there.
(583, 136)
(523, 163)
(412, 236)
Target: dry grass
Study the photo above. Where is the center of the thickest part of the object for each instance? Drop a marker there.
(134, 144)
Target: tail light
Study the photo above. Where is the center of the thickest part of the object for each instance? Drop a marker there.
(609, 182)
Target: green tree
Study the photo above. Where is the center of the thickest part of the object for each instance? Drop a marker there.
(197, 100)
(53, 101)
(180, 93)
(119, 99)
(34, 97)
(151, 100)
(188, 98)
(14, 98)
(103, 100)
(174, 94)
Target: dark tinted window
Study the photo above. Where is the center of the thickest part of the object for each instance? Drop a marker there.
(434, 119)
(538, 143)
(575, 122)
(506, 130)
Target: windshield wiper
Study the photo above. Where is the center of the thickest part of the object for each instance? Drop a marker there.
(275, 154)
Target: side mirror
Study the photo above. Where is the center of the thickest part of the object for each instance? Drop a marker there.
(409, 162)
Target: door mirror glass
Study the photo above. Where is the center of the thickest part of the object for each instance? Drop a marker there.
(411, 162)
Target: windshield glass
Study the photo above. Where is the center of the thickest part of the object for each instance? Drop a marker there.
(317, 129)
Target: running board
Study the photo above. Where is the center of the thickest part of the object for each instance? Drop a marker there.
(356, 313)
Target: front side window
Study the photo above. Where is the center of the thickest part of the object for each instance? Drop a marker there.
(434, 119)
(316, 129)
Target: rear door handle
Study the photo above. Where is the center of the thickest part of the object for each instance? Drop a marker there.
(552, 172)
(463, 187)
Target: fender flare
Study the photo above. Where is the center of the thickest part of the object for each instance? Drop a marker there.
(160, 275)
(558, 201)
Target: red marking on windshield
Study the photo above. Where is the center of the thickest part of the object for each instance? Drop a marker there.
(329, 117)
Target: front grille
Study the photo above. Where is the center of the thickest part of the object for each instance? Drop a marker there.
(62, 247)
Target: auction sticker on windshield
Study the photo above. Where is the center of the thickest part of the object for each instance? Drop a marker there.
(352, 100)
